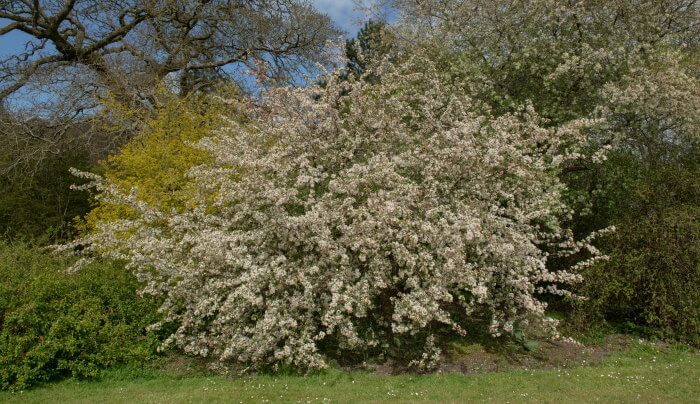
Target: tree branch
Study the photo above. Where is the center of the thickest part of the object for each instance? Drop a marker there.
(27, 75)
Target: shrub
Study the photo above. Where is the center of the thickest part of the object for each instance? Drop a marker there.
(354, 218)
(653, 277)
(155, 161)
(53, 324)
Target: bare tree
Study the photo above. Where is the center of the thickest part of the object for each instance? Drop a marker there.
(130, 45)
(76, 50)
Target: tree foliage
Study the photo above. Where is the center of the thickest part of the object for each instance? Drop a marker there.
(653, 277)
(35, 199)
(373, 43)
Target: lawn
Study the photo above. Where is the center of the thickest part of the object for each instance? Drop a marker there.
(642, 374)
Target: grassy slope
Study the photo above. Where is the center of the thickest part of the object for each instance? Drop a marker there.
(641, 375)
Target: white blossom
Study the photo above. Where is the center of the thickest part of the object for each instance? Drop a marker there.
(353, 214)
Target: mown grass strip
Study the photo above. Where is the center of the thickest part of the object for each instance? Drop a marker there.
(639, 376)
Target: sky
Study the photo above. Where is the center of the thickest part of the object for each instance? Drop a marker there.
(11, 42)
(343, 13)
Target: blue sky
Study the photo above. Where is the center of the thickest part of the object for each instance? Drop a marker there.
(343, 13)
(11, 42)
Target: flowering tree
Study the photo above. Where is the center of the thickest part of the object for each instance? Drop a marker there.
(632, 64)
(352, 215)
(559, 55)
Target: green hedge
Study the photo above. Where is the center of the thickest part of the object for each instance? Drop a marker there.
(54, 324)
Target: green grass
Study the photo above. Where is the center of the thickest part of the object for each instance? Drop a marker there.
(641, 375)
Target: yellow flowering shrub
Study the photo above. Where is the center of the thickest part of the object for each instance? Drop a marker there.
(155, 162)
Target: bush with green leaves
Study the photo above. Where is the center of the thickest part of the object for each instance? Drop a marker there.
(54, 324)
(653, 277)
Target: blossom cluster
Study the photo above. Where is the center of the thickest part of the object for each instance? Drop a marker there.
(352, 214)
